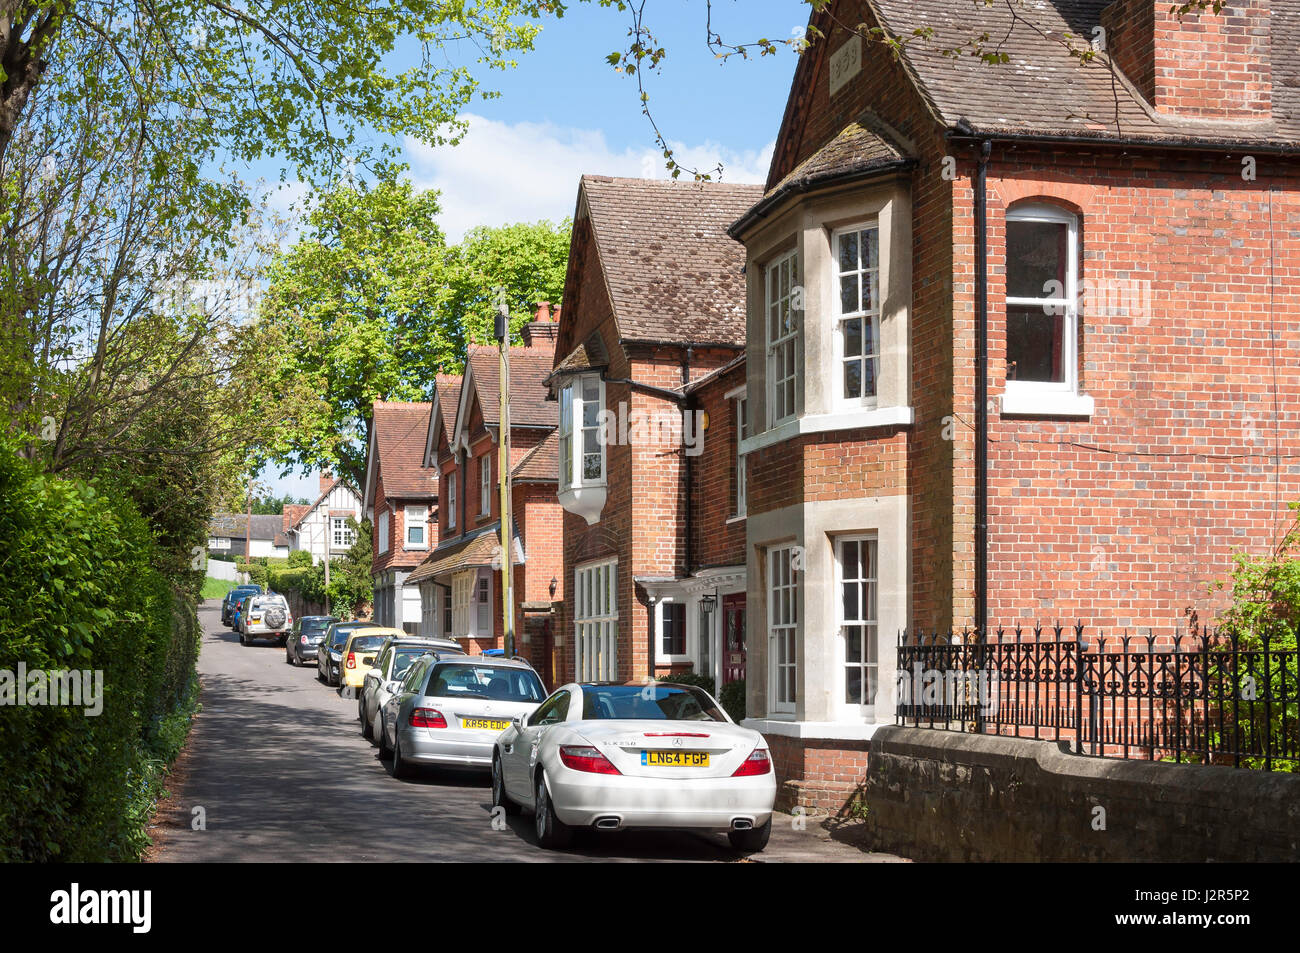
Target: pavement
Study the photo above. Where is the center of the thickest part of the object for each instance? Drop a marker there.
(276, 770)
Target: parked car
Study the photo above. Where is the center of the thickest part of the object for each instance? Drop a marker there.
(237, 616)
(308, 632)
(233, 596)
(396, 656)
(616, 756)
(359, 653)
(449, 710)
(265, 617)
(329, 653)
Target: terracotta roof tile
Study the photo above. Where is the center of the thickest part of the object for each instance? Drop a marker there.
(542, 463)
(673, 271)
(1044, 90)
(400, 432)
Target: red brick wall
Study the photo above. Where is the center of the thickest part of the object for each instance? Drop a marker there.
(717, 540)
(1122, 520)
(822, 777)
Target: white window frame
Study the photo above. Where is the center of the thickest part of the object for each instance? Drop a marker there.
(451, 500)
(783, 628)
(870, 657)
(595, 621)
(342, 536)
(661, 656)
(382, 530)
(1042, 212)
(462, 602)
(573, 406)
(485, 484)
(483, 628)
(741, 405)
(872, 316)
(784, 345)
(413, 516)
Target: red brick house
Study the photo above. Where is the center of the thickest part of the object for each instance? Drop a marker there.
(401, 500)
(1022, 340)
(460, 580)
(652, 337)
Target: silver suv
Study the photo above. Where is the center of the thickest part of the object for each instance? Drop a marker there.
(266, 617)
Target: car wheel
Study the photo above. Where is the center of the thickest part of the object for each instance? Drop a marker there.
(243, 640)
(752, 840)
(400, 767)
(552, 833)
(367, 729)
(288, 657)
(499, 797)
(320, 676)
(383, 739)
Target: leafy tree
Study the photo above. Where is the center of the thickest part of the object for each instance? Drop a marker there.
(371, 304)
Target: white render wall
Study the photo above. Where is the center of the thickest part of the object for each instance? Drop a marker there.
(315, 532)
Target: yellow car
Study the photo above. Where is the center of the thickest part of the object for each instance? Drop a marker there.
(359, 654)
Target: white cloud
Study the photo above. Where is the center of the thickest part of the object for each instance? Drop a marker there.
(517, 172)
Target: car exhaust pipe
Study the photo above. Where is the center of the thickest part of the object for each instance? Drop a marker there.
(608, 823)
(742, 824)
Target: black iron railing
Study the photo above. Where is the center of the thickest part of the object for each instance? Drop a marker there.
(1207, 698)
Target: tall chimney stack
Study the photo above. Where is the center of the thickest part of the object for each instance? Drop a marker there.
(1215, 66)
(542, 330)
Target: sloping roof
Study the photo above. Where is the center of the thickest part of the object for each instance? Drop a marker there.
(478, 551)
(674, 274)
(542, 463)
(529, 368)
(861, 146)
(237, 525)
(448, 386)
(587, 355)
(400, 431)
(294, 513)
(1044, 90)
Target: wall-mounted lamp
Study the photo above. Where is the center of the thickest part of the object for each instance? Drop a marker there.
(709, 603)
(554, 582)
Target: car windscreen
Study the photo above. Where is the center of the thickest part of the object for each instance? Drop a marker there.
(404, 657)
(366, 643)
(311, 626)
(648, 702)
(341, 634)
(496, 683)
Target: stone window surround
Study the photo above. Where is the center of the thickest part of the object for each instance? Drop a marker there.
(808, 226)
(819, 648)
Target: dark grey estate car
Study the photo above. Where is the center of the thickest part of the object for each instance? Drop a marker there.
(308, 633)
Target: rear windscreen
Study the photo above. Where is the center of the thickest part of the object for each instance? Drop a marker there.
(485, 681)
(653, 702)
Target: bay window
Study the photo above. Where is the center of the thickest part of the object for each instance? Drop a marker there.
(582, 450)
(858, 582)
(596, 621)
(782, 280)
(782, 627)
(856, 253)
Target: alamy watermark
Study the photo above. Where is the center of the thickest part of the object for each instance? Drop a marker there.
(975, 688)
(53, 687)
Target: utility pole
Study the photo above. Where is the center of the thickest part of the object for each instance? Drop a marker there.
(503, 479)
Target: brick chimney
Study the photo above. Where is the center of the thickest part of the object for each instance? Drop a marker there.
(326, 478)
(543, 329)
(1200, 66)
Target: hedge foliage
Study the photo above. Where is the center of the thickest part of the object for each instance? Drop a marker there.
(82, 592)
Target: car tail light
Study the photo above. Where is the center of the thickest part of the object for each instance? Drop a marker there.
(427, 718)
(352, 660)
(585, 758)
(757, 763)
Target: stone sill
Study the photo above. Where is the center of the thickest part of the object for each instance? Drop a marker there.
(816, 730)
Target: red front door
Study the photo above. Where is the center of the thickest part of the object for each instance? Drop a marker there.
(733, 637)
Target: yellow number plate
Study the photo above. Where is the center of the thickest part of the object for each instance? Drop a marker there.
(675, 759)
(487, 724)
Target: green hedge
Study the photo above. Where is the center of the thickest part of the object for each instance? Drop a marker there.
(732, 698)
(80, 593)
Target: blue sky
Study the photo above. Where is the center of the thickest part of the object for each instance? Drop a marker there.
(563, 111)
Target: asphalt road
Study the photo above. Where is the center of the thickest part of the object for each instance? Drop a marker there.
(277, 763)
